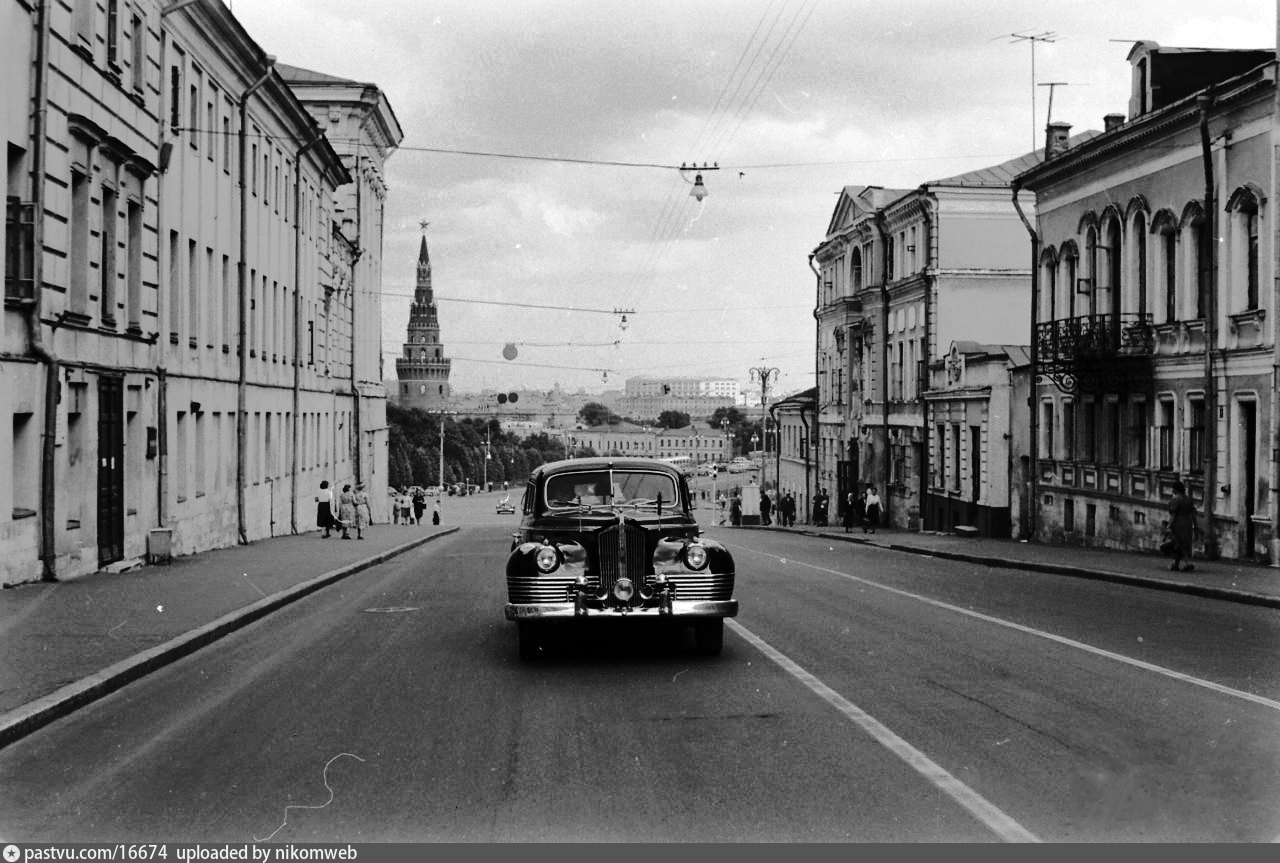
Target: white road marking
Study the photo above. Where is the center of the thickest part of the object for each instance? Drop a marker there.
(1049, 636)
(977, 805)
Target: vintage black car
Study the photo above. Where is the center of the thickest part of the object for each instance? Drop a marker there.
(615, 539)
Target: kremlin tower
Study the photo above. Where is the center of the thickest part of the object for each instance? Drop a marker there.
(422, 368)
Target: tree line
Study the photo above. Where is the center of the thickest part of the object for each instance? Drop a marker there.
(414, 439)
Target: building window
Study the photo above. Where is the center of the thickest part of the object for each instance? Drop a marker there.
(19, 249)
(133, 283)
(1111, 432)
(1069, 430)
(138, 42)
(955, 456)
(1089, 423)
(1138, 425)
(107, 259)
(1169, 255)
(1195, 435)
(1140, 260)
(1164, 433)
(78, 253)
(113, 34)
(1046, 429)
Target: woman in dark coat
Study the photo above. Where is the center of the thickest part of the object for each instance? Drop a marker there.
(324, 508)
(1182, 526)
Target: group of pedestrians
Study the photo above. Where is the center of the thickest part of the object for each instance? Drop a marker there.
(410, 508)
(863, 509)
(352, 510)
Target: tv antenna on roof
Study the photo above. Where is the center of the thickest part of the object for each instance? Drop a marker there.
(1033, 38)
(1048, 116)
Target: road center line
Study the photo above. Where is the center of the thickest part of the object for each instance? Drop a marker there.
(1039, 633)
(977, 805)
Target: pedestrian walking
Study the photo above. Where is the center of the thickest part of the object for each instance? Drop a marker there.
(735, 511)
(766, 508)
(850, 511)
(405, 505)
(435, 512)
(789, 510)
(324, 508)
(820, 505)
(363, 516)
(419, 504)
(394, 496)
(1182, 527)
(870, 510)
(346, 510)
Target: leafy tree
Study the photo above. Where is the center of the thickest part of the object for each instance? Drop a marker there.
(673, 419)
(596, 414)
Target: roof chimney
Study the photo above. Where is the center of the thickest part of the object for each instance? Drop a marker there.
(1056, 135)
(1111, 122)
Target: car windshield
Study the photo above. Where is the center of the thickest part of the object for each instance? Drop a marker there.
(604, 488)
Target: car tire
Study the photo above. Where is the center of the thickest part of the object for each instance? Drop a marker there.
(708, 636)
(529, 637)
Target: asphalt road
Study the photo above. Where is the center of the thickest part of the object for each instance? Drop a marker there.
(862, 696)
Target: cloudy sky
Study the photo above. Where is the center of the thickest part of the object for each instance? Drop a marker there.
(793, 99)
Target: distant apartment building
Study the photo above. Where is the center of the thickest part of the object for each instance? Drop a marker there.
(647, 397)
(181, 302)
(699, 442)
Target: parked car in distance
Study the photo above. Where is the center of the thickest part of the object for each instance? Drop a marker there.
(614, 541)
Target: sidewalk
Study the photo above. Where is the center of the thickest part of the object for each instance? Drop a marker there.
(67, 643)
(1232, 580)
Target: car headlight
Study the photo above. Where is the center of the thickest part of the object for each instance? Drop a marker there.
(695, 556)
(623, 589)
(547, 558)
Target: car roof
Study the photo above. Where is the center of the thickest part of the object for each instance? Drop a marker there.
(602, 463)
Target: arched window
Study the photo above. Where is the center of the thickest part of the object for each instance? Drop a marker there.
(1115, 272)
(1069, 265)
(1164, 228)
(855, 267)
(1091, 263)
(1140, 261)
(1193, 253)
(1245, 216)
(1048, 284)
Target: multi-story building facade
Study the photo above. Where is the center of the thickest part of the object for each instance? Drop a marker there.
(902, 275)
(359, 124)
(177, 343)
(978, 456)
(793, 418)
(1155, 310)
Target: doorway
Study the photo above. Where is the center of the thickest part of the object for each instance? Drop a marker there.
(110, 470)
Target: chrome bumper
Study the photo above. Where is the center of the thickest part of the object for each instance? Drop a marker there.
(680, 608)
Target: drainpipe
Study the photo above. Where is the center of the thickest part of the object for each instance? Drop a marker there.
(884, 359)
(808, 487)
(33, 308)
(242, 288)
(1209, 261)
(777, 449)
(355, 339)
(297, 326)
(922, 375)
(1029, 529)
(815, 443)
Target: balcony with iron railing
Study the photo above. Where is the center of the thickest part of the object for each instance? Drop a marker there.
(1096, 353)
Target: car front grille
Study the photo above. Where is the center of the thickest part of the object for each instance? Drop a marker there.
(621, 550)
